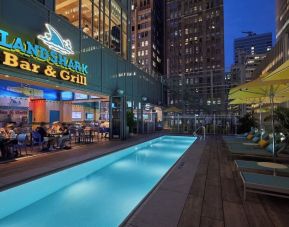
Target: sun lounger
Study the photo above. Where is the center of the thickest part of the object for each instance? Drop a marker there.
(253, 151)
(240, 140)
(242, 146)
(234, 139)
(243, 165)
(258, 152)
(265, 184)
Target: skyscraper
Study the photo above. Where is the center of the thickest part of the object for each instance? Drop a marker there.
(280, 52)
(195, 55)
(252, 44)
(148, 35)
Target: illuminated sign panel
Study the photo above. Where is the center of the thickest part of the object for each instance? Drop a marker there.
(55, 42)
(80, 96)
(37, 59)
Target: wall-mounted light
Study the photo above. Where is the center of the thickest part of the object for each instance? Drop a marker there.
(144, 98)
(120, 92)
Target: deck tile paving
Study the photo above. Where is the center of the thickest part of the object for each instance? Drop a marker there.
(209, 222)
(217, 170)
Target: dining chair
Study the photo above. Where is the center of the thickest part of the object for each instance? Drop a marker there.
(21, 143)
(36, 140)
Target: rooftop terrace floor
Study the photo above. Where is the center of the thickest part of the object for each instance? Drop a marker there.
(213, 194)
(215, 197)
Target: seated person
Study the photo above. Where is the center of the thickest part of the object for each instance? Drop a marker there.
(104, 128)
(10, 140)
(42, 130)
(10, 132)
(65, 135)
(55, 128)
(3, 139)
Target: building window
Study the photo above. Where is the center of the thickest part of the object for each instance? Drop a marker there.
(96, 20)
(115, 26)
(86, 17)
(69, 10)
(124, 35)
(103, 20)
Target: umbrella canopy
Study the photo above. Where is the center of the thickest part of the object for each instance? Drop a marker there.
(259, 101)
(263, 100)
(263, 89)
(172, 109)
(281, 73)
(260, 89)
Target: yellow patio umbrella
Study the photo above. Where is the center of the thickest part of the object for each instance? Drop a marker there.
(172, 109)
(263, 100)
(262, 89)
(281, 73)
(258, 101)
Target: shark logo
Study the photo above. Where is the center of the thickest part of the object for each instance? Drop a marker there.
(55, 42)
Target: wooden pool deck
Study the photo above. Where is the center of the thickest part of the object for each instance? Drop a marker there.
(212, 195)
(215, 197)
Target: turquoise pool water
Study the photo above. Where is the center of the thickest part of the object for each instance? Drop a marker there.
(100, 193)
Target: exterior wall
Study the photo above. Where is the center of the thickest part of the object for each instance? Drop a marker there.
(147, 20)
(40, 111)
(107, 71)
(282, 17)
(276, 57)
(66, 110)
(195, 55)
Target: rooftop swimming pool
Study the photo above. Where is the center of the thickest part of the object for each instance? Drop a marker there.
(101, 192)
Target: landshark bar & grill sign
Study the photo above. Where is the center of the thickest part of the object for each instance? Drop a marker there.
(37, 59)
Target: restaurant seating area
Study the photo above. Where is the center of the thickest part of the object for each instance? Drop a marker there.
(18, 141)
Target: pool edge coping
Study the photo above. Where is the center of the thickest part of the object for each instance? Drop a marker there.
(149, 196)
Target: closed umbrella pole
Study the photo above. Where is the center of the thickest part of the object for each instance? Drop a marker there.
(178, 122)
(272, 120)
(260, 117)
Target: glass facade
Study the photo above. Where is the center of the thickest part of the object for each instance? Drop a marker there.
(104, 20)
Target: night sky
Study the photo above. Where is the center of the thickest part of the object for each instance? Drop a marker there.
(246, 15)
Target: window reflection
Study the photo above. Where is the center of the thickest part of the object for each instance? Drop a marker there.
(101, 22)
(115, 26)
(69, 9)
(124, 36)
(86, 16)
(104, 20)
(106, 23)
(96, 19)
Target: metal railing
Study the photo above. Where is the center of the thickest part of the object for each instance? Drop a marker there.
(214, 124)
(204, 133)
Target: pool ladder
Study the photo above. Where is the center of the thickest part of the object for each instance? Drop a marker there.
(203, 137)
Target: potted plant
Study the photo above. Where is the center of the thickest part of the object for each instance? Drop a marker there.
(281, 117)
(246, 123)
(130, 121)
